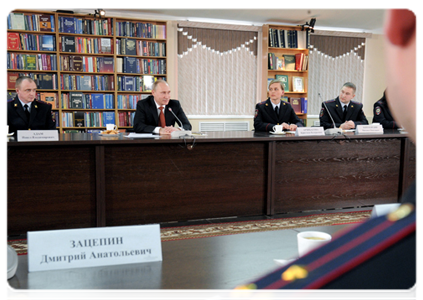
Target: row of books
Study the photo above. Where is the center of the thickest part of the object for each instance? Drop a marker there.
(126, 119)
(142, 83)
(86, 26)
(280, 38)
(87, 119)
(288, 62)
(85, 45)
(44, 81)
(140, 48)
(87, 101)
(141, 30)
(32, 22)
(140, 66)
(87, 82)
(86, 64)
(32, 42)
(40, 62)
(299, 104)
(129, 101)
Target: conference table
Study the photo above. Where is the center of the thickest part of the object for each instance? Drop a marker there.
(221, 262)
(89, 180)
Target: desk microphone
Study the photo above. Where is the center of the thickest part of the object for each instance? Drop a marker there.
(182, 125)
(333, 130)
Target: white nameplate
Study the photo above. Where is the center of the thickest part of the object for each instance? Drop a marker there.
(369, 129)
(37, 135)
(92, 247)
(307, 131)
(179, 133)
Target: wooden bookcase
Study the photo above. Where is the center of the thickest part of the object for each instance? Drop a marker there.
(269, 73)
(94, 65)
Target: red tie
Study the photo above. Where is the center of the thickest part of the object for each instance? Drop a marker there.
(162, 122)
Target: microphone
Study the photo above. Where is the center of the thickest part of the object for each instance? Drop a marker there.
(182, 125)
(333, 130)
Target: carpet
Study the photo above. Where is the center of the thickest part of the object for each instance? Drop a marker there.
(229, 228)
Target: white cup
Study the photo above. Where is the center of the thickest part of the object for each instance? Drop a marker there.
(277, 129)
(111, 127)
(309, 240)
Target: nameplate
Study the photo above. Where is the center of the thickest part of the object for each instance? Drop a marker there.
(93, 247)
(37, 135)
(307, 131)
(369, 129)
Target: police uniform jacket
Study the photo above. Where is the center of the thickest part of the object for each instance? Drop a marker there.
(382, 114)
(354, 113)
(265, 116)
(146, 117)
(40, 117)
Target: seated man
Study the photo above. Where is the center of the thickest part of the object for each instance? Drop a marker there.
(156, 113)
(273, 111)
(25, 112)
(346, 114)
(382, 114)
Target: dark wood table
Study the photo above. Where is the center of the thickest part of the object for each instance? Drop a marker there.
(222, 262)
(87, 180)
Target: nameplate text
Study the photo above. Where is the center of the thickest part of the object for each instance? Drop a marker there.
(37, 135)
(369, 129)
(307, 131)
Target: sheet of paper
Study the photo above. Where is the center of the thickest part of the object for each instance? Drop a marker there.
(142, 135)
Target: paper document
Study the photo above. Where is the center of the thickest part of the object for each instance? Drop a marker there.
(142, 135)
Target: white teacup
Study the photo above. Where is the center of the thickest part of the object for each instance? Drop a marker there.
(277, 129)
(309, 240)
(111, 127)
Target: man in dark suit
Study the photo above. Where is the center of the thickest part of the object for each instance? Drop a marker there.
(346, 113)
(382, 114)
(154, 114)
(273, 111)
(26, 113)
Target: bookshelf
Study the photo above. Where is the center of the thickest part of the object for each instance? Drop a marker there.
(92, 70)
(285, 56)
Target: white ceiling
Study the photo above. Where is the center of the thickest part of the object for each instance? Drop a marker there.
(361, 20)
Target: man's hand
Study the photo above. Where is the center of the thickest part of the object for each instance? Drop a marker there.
(167, 130)
(348, 125)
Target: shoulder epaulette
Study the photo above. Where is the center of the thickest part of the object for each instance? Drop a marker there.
(330, 101)
(356, 102)
(263, 102)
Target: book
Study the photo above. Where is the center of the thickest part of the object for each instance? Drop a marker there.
(47, 43)
(49, 98)
(46, 81)
(75, 99)
(105, 45)
(68, 44)
(13, 41)
(289, 62)
(297, 84)
(106, 64)
(17, 21)
(284, 80)
(147, 83)
(68, 24)
(78, 119)
(45, 23)
(299, 57)
(129, 47)
(108, 118)
(11, 80)
(30, 62)
(130, 65)
(280, 62)
(98, 101)
(296, 104)
(303, 105)
(75, 63)
(85, 83)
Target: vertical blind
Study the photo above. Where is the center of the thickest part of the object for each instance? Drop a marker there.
(217, 71)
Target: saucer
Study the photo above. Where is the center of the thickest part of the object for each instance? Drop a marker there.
(9, 134)
(279, 133)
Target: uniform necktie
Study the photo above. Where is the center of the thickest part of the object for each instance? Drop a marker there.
(162, 122)
(277, 111)
(26, 111)
(345, 113)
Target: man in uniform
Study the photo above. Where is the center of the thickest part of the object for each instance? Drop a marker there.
(156, 113)
(25, 112)
(381, 252)
(382, 114)
(273, 111)
(346, 113)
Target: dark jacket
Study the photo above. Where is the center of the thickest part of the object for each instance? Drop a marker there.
(265, 117)
(40, 117)
(382, 114)
(354, 113)
(146, 117)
